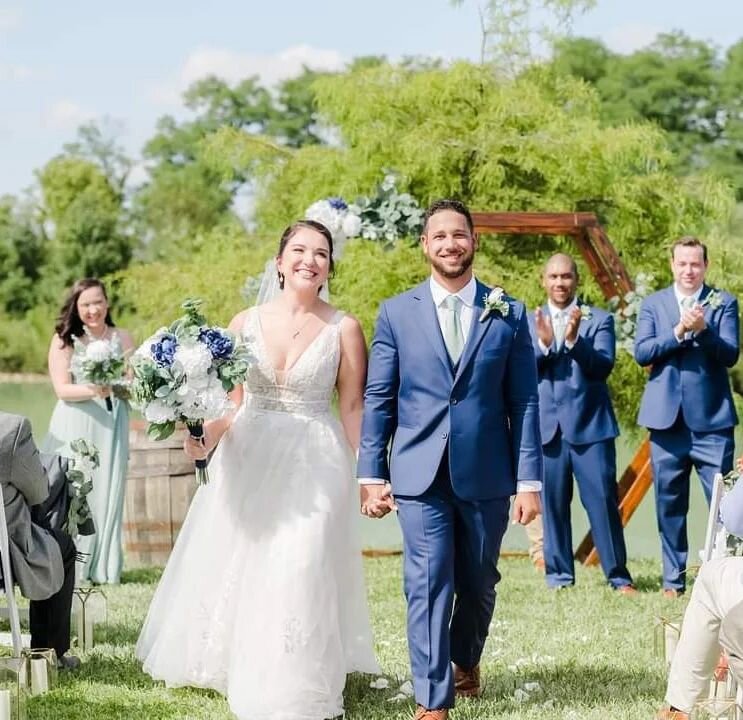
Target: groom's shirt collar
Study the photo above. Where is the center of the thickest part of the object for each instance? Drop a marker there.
(466, 294)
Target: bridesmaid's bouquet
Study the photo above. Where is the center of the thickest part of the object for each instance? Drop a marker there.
(183, 374)
(99, 362)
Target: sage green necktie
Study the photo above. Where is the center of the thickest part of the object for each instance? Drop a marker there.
(451, 327)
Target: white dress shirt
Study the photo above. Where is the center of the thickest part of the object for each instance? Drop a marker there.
(466, 295)
(680, 297)
(554, 311)
(466, 314)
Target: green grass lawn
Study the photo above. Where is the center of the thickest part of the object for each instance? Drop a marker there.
(589, 649)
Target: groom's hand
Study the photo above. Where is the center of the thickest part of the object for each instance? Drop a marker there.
(526, 506)
(376, 500)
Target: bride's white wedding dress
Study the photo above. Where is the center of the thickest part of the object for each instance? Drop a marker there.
(263, 597)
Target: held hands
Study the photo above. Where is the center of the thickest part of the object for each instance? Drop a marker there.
(526, 506)
(376, 500)
(543, 326)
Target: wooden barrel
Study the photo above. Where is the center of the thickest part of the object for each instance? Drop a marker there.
(159, 488)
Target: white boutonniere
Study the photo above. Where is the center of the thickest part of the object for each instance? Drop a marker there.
(713, 300)
(495, 302)
(585, 311)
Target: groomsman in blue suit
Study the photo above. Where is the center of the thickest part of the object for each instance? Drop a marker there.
(574, 346)
(452, 385)
(688, 335)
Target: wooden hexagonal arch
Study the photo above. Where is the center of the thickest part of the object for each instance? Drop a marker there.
(606, 266)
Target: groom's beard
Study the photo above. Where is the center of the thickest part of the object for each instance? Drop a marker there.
(447, 271)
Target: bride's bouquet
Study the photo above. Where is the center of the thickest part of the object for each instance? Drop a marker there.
(183, 374)
(99, 362)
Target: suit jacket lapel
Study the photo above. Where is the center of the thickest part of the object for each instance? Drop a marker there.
(477, 328)
(430, 323)
(671, 306)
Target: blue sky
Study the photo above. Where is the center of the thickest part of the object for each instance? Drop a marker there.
(64, 63)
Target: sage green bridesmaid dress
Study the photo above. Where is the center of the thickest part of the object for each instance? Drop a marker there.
(109, 432)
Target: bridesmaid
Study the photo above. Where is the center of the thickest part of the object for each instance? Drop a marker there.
(81, 413)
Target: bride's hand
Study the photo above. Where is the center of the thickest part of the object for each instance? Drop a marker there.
(198, 449)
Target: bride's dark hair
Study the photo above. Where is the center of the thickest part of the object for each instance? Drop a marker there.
(68, 323)
(293, 229)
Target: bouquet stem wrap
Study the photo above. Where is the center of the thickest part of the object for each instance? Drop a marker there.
(196, 431)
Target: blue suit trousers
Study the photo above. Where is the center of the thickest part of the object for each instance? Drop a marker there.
(673, 453)
(594, 467)
(451, 549)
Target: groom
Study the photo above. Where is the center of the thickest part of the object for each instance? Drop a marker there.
(452, 384)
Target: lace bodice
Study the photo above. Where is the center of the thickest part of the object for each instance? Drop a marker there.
(306, 388)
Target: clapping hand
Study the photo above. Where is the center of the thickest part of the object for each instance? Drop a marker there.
(572, 325)
(543, 325)
(694, 319)
(376, 500)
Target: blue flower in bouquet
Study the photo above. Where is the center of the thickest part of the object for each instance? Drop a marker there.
(163, 351)
(219, 344)
(337, 203)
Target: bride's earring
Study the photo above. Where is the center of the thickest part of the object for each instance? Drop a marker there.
(281, 279)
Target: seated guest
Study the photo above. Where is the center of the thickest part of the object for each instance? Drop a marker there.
(42, 559)
(713, 618)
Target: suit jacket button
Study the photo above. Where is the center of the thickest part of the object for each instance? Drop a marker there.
(454, 401)
(444, 435)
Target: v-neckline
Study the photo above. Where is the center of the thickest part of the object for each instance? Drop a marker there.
(284, 372)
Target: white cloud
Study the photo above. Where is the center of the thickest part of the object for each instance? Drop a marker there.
(234, 66)
(628, 38)
(10, 18)
(14, 73)
(66, 115)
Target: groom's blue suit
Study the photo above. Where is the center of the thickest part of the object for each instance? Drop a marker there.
(461, 438)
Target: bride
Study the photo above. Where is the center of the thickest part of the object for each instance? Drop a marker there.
(263, 597)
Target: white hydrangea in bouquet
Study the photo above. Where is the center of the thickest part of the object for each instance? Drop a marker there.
(184, 372)
(99, 362)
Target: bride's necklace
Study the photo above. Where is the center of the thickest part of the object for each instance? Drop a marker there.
(296, 332)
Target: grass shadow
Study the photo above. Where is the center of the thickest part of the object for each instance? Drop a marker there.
(141, 576)
(648, 583)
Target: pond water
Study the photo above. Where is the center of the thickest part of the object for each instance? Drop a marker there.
(36, 401)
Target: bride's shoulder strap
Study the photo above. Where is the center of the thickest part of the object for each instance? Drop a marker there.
(247, 320)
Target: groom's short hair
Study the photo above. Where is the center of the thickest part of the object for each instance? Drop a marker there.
(454, 205)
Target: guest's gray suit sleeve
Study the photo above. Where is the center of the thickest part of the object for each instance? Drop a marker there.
(28, 475)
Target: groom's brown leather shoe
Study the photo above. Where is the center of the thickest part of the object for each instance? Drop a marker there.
(422, 713)
(467, 682)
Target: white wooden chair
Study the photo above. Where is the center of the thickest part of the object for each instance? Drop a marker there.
(15, 622)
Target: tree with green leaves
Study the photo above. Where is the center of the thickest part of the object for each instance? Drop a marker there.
(536, 142)
(22, 257)
(85, 212)
(511, 31)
